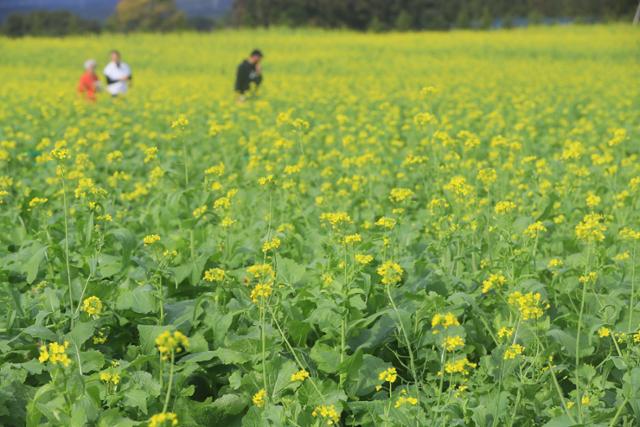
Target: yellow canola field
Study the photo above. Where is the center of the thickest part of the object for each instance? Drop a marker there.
(395, 229)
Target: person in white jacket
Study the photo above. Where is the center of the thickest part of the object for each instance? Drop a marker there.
(118, 75)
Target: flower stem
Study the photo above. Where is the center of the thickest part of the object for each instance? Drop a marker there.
(633, 288)
(168, 395)
(66, 245)
(406, 340)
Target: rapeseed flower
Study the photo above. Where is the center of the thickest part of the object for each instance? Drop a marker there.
(513, 351)
(92, 306)
(214, 275)
(328, 413)
(55, 354)
(164, 419)
(169, 344)
(391, 273)
(300, 376)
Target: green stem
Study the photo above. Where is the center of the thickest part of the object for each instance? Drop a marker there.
(618, 412)
(263, 340)
(441, 386)
(168, 395)
(66, 245)
(633, 288)
(343, 323)
(186, 167)
(577, 355)
(559, 391)
(406, 340)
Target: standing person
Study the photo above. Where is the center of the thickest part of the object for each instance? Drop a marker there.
(89, 84)
(118, 75)
(249, 71)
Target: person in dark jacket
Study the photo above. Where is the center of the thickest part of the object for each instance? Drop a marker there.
(249, 71)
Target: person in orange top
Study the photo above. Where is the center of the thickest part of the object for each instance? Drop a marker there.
(89, 84)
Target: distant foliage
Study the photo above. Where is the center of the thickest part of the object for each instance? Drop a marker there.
(376, 15)
(147, 15)
(48, 23)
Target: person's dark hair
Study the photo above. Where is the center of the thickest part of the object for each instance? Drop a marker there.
(116, 51)
(256, 52)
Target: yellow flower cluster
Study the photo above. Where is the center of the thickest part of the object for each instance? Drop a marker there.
(363, 259)
(403, 399)
(336, 219)
(261, 291)
(505, 332)
(629, 234)
(164, 419)
(453, 343)
(217, 170)
(535, 229)
(494, 280)
(391, 273)
(529, 305)
(261, 272)
(386, 222)
(55, 354)
(328, 413)
(265, 277)
(592, 200)
(180, 123)
(352, 238)
(459, 366)
(271, 245)
(504, 207)
(199, 211)
(555, 263)
(301, 375)
(591, 228)
(111, 378)
(604, 332)
(150, 239)
(589, 277)
(169, 344)
(259, 398)
(399, 195)
(388, 375)
(92, 306)
(459, 187)
(214, 275)
(37, 201)
(513, 351)
(445, 321)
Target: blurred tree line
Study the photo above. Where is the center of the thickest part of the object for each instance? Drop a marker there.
(48, 23)
(380, 15)
(372, 15)
(130, 15)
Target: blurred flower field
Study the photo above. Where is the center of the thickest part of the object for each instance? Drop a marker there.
(398, 230)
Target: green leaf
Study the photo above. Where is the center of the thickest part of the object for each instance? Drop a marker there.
(231, 357)
(32, 265)
(568, 343)
(326, 357)
(92, 360)
(283, 380)
(81, 332)
(230, 404)
(202, 356)
(148, 335)
(113, 418)
(136, 399)
(40, 332)
(140, 300)
(362, 373)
